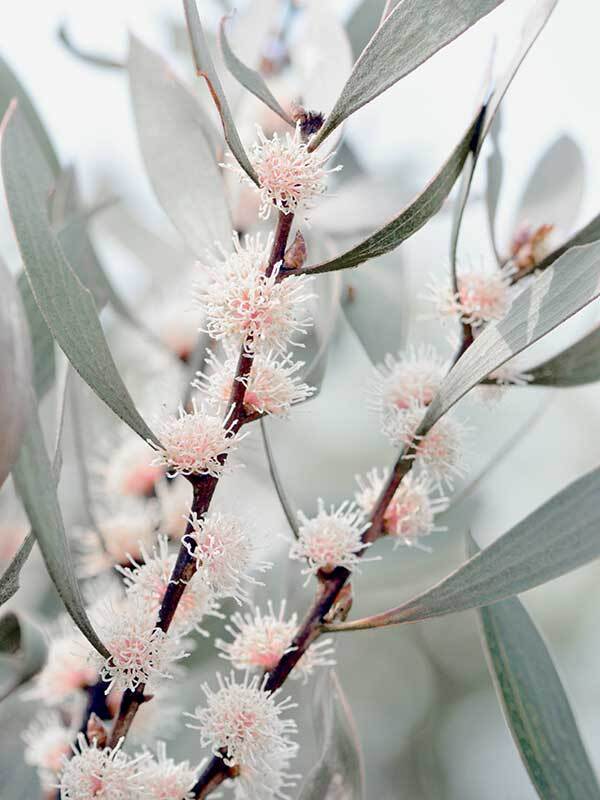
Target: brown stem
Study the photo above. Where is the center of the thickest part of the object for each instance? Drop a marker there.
(282, 232)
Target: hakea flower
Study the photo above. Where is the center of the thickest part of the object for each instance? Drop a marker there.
(262, 639)
(440, 452)
(242, 723)
(67, 670)
(95, 773)
(126, 469)
(149, 580)
(139, 652)
(242, 303)
(195, 443)
(226, 552)
(531, 245)
(121, 535)
(412, 376)
(47, 742)
(500, 380)
(254, 783)
(411, 513)
(174, 502)
(331, 539)
(482, 297)
(273, 386)
(166, 779)
(177, 327)
(289, 176)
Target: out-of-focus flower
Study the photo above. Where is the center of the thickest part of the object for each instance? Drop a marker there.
(166, 779)
(67, 670)
(149, 580)
(195, 443)
(262, 639)
(411, 513)
(254, 783)
(139, 652)
(241, 302)
(245, 722)
(126, 468)
(47, 742)
(330, 539)
(174, 500)
(482, 297)
(414, 375)
(272, 388)
(226, 552)
(95, 773)
(531, 245)
(290, 177)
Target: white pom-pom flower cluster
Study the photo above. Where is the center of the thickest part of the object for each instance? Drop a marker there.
(243, 725)
(47, 742)
(125, 468)
(166, 779)
(260, 640)
(290, 177)
(95, 773)
(67, 670)
(243, 304)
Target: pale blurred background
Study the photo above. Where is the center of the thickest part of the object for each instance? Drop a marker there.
(426, 711)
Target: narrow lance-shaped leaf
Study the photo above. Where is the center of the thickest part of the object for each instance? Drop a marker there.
(42, 342)
(66, 305)
(340, 767)
(9, 580)
(35, 482)
(205, 68)
(15, 371)
(412, 33)
(575, 366)
(178, 154)
(411, 218)
(556, 538)
(493, 186)
(535, 705)
(24, 643)
(250, 79)
(284, 500)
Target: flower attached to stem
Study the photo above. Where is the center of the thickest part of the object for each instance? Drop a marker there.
(166, 779)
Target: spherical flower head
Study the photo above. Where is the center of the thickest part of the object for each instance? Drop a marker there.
(226, 552)
(331, 539)
(412, 376)
(67, 670)
(195, 443)
(174, 502)
(121, 535)
(411, 513)
(140, 653)
(95, 773)
(242, 303)
(126, 469)
(290, 177)
(244, 722)
(262, 639)
(149, 581)
(482, 297)
(273, 386)
(254, 783)
(166, 779)
(47, 742)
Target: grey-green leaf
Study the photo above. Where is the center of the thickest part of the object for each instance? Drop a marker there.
(412, 33)
(35, 482)
(66, 305)
(15, 371)
(9, 580)
(411, 218)
(575, 366)
(535, 705)
(205, 68)
(586, 235)
(340, 767)
(24, 644)
(42, 343)
(179, 157)
(284, 500)
(250, 79)
(556, 538)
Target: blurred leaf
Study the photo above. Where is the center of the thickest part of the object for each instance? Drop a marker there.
(318, 339)
(284, 500)
(556, 538)
(249, 78)
(10, 88)
(94, 59)
(35, 482)
(9, 580)
(362, 23)
(67, 306)
(42, 343)
(535, 705)
(412, 218)
(24, 643)
(554, 192)
(340, 767)
(15, 371)
(494, 175)
(206, 69)
(181, 163)
(575, 366)
(412, 33)
(554, 296)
